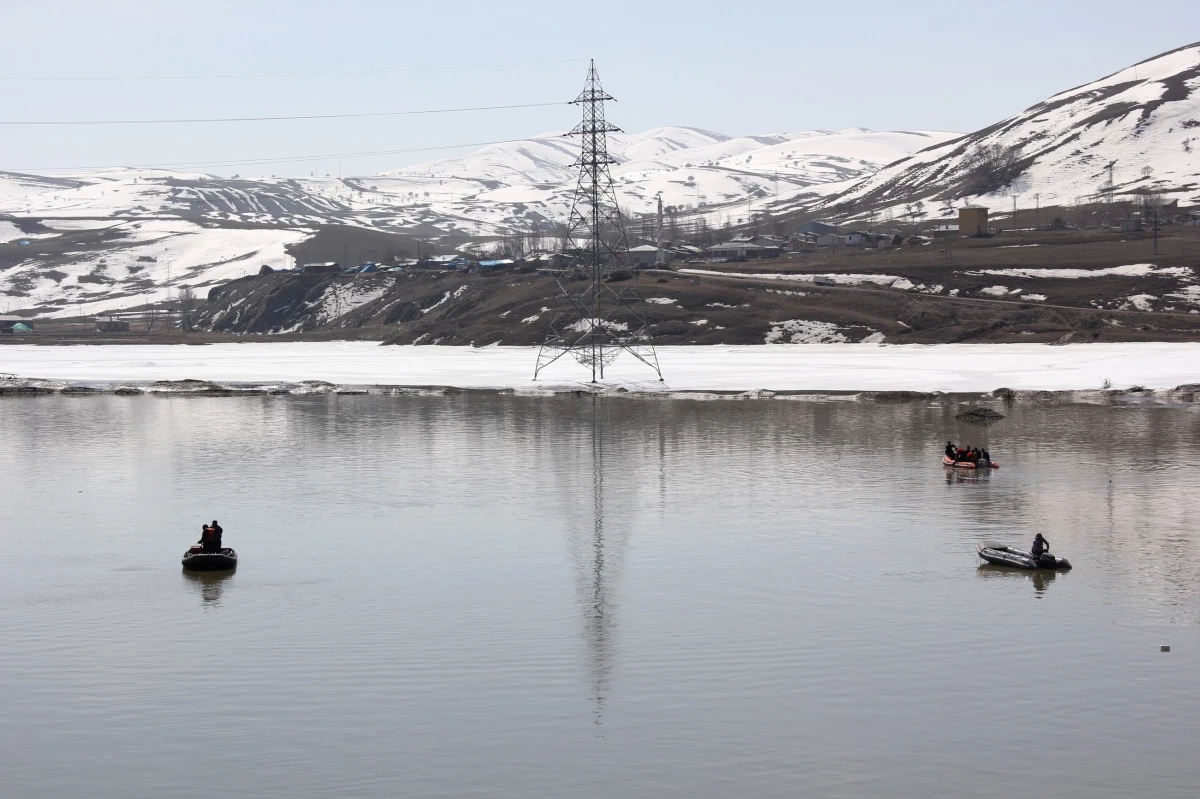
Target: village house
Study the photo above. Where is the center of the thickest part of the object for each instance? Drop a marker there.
(15, 324)
(747, 247)
(816, 228)
(973, 221)
(324, 266)
(646, 255)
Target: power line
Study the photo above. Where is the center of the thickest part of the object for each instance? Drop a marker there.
(282, 74)
(643, 113)
(280, 160)
(278, 118)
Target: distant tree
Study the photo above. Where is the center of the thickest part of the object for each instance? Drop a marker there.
(1152, 202)
(187, 304)
(672, 223)
(989, 168)
(562, 236)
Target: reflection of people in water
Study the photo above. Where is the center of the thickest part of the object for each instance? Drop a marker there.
(1042, 578)
(210, 583)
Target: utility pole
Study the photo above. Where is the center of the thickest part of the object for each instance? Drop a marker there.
(1037, 211)
(1111, 188)
(595, 320)
(1014, 214)
(1156, 230)
(659, 259)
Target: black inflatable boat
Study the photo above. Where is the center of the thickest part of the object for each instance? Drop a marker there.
(1020, 559)
(196, 559)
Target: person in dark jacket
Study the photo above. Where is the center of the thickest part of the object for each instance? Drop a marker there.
(217, 530)
(1040, 546)
(950, 450)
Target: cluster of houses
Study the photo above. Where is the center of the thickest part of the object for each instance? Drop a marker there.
(814, 236)
(811, 237)
(451, 263)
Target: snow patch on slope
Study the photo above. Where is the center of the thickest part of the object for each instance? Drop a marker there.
(1132, 270)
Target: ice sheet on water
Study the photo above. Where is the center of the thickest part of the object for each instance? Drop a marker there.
(829, 367)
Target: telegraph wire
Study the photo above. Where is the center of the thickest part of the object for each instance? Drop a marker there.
(283, 74)
(279, 160)
(277, 118)
(643, 113)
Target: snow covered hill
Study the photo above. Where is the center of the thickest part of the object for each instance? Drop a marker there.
(105, 240)
(508, 184)
(1143, 120)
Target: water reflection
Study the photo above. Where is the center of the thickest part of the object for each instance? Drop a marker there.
(956, 475)
(1040, 579)
(793, 596)
(596, 560)
(210, 584)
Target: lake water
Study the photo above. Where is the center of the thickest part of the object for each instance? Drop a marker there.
(481, 596)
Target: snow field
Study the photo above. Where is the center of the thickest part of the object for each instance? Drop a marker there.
(814, 367)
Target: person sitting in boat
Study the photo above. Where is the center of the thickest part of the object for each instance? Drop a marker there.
(984, 456)
(207, 539)
(950, 452)
(1040, 546)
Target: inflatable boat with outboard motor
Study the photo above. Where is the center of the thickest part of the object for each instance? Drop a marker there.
(196, 559)
(1001, 555)
(948, 461)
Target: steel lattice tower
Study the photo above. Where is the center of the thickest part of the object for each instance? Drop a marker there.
(592, 320)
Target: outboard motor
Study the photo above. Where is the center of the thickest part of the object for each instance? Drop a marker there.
(1047, 561)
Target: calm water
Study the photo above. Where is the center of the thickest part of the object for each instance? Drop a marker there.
(483, 596)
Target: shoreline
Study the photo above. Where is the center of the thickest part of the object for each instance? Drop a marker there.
(34, 387)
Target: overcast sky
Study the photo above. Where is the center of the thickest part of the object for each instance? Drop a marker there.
(733, 67)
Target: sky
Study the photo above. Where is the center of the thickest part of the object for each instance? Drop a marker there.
(735, 68)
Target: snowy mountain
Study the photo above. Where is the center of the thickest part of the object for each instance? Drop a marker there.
(507, 184)
(105, 240)
(1143, 120)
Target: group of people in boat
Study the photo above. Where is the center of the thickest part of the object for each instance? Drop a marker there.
(967, 454)
(210, 537)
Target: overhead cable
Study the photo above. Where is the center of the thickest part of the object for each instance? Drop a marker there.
(282, 74)
(279, 160)
(276, 118)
